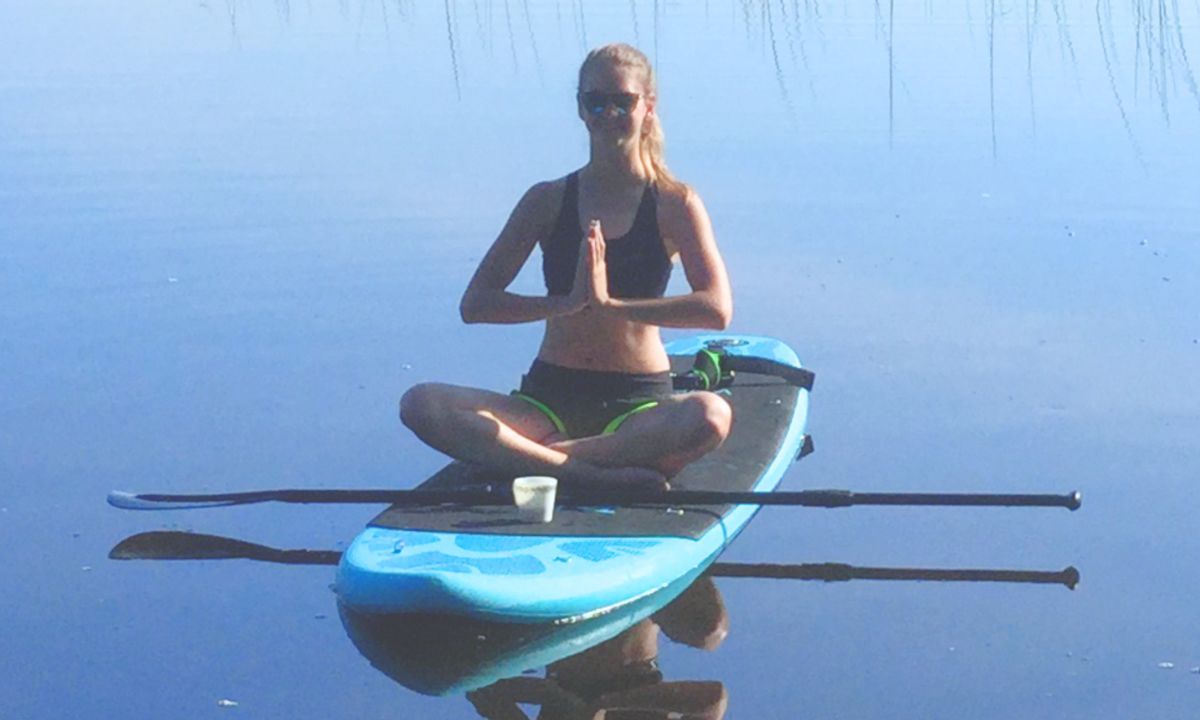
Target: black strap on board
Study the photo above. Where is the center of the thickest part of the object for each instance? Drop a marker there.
(799, 377)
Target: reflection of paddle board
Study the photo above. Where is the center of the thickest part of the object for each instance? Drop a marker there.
(450, 654)
(484, 562)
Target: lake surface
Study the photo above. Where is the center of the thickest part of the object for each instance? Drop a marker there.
(232, 233)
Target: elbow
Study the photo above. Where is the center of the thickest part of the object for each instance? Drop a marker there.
(721, 316)
(718, 307)
(468, 310)
(715, 321)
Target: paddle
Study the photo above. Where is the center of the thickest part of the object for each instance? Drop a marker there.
(174, 545)
(834, 572)
(586, 497)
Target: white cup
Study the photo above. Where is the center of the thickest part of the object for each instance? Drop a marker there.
(534, 496)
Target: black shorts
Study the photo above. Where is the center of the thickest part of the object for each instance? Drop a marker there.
(582, 403)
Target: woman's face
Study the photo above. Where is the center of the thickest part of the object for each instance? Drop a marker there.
(613, 102)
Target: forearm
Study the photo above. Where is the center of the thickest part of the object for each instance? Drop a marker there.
(698, 309)
(503, 307)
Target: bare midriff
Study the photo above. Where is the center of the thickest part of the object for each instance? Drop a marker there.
(595, 340)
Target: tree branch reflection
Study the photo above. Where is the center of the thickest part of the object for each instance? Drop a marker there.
(1150, 33)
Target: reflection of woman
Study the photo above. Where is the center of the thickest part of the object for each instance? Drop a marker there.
(620, 678)
(596, 405)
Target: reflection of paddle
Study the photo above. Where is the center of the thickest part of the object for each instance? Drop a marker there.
(174, 545)
(582, 497)
(832, 572)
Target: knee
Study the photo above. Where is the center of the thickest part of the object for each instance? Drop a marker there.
(420, 406)
(712, 418)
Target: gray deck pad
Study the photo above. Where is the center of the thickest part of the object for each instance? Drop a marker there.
(762, 410)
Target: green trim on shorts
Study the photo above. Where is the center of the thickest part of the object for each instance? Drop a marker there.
(553, 417)
(616, 422)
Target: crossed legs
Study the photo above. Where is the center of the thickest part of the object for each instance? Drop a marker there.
(511, 435)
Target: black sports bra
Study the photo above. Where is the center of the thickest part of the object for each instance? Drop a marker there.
(638, 264)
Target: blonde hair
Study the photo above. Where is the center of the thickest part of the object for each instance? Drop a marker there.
(652, 142)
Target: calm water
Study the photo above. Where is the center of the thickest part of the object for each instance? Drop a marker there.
(232, 233)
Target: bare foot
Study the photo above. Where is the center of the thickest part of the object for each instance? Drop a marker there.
(587, 473)
(626, 477)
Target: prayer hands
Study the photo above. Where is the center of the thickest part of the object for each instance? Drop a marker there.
(598, 281)
(590, 288)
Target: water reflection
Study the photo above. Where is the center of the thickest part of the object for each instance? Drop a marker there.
(181, 545)
(453, 54)
(623, 674)
(610, 662)
(1139, 46)
(606, 663)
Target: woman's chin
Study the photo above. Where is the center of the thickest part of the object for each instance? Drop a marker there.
(617, 137)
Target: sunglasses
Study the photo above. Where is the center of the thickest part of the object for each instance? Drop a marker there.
(596, 102)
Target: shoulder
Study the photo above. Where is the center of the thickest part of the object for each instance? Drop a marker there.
(541, 202)
(544, 195)
(675, 196)
(680, 210)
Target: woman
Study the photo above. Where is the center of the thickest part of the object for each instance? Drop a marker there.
(596, 406)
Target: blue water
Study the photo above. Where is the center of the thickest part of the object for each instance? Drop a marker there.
(232, 233)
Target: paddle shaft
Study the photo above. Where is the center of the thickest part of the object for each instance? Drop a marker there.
(620, 497)
(835, 572)
(175, 545)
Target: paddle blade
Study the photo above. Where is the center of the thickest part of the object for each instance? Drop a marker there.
(172, 545)
(175, 545)
(133, 501)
